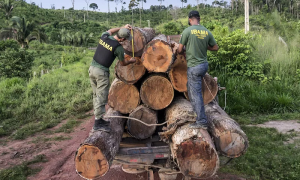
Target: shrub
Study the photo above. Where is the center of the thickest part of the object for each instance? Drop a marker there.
(15, 63)
(12, 44)
(172, 28)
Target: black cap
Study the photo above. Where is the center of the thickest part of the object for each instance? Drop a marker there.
(194, 14)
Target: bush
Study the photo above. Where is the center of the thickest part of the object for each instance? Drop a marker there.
(172, 28)
(12, 44)
(15, 63)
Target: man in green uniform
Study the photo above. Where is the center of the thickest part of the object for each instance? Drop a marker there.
(108, 49)
(197, 40)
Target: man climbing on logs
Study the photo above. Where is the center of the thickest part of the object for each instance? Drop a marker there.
(108, 49)
(197, 40)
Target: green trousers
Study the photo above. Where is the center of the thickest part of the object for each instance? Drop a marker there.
(99, 79)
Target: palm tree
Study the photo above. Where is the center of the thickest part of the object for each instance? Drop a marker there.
(22, 31)
(7, 6)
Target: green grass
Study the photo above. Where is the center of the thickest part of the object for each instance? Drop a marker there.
(267, 157)
(21, 172)
(46, 139)
(69, 126)
(246, 119)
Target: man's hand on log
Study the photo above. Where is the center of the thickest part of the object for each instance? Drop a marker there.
(127, 26)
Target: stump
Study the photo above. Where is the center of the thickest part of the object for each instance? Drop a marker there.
(139, 130)
(230, 139)
(209, 89)
(193, 149)
(123, 97)
(94, 157)
(157, 92)
(158, 55)
(131, 73)
(178, 73)
(141, 36)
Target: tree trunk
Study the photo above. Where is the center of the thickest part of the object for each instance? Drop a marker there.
(193, 149)
(209, 89)
(178, 73)
(123, 97)
(94, 157)
(131, 73)
(141, 36)
(157, 92)
(139, 130)
(158, 55)
(229, 138)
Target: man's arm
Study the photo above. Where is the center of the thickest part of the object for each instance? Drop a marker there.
(114, 30)
(127, 62)
(214, 48)
(180, 48)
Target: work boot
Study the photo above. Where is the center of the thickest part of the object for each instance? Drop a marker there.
(197, 125)
(101, 125)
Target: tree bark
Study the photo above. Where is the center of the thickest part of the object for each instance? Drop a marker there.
(229, 138)
(157, 92)
(131, 73)
(139, 130)
(178, 73)
(209, 89)
(141, 36)
(158, 55)
(94, 157)
(193, 149)
(123, 97)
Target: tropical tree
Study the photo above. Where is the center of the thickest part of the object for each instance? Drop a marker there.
(94, 6)
(183, 1)
(7, 6)
(131, 5)
(143, 1)
(160, 3)
(22, 31)
(87, 7)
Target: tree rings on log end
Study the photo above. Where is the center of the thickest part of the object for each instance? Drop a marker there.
(139, 130)
(123, 97)
(131, 73)
(90, 163)
(209, 89)
(157, 92)
(178, 74)
(231, 144)
(157, 56)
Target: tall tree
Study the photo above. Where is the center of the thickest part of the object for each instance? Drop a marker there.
(87, 7)
(197, 5)
(94, 6)
(7, 6)
(22, 31)
(143, 1)
(183, 1)
(73, 3)
(160, 3)
(108, 4)
(131, 5)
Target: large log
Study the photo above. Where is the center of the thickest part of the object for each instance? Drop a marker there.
(157, 92)
(141, 36)
(158, 55)
(94, 157)
(131, 73)
(193, 149)
(123, 97)
(209, 89)
(229, 138)
(139, 130)
(178, 73)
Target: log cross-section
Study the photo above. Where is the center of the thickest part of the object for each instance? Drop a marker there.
(178, 73)
(94, 157)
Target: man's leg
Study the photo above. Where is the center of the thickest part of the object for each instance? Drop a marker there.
(195, 75)
(100, 83)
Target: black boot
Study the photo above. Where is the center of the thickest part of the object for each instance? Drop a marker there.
(101, 125)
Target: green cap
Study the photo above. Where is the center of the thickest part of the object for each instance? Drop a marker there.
(125, 33)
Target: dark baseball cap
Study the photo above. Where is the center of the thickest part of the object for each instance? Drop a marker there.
(125, 33)
(194, 14)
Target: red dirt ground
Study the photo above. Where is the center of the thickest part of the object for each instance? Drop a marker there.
(60, 156)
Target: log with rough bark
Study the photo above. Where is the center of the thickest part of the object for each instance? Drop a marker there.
(229, 138)
(139, 130)
(131, 73)
(158, 55)
(157, 92)
(193, 149)
(209, 89)
(123, 97)
(94, 157)
(141, 36)
(178, 73)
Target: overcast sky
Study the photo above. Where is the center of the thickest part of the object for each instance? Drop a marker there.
(102, 4)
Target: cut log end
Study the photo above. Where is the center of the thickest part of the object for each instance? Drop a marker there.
(178, 74)
(157, 92)
(90, 163)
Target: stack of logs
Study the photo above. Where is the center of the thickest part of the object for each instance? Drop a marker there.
(157, 82)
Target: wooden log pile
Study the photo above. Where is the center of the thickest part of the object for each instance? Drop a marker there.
(142, 95)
